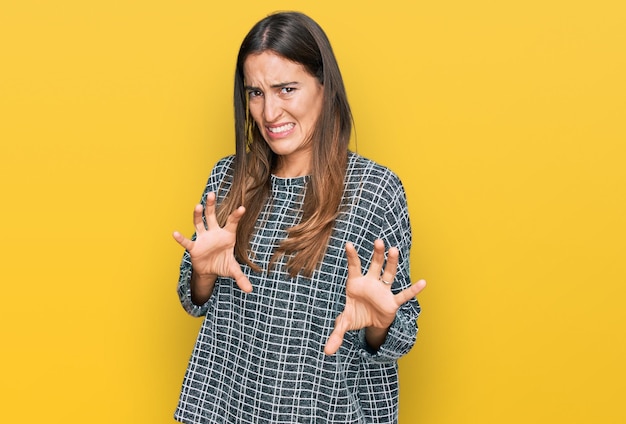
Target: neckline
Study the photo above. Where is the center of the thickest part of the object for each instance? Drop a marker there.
(290, 181)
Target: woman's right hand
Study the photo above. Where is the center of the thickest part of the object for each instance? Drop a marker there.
(212, 252)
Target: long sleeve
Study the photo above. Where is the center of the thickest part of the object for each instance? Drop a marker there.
(396, 231)
(266, 348)
(184, 289)
(219, 183)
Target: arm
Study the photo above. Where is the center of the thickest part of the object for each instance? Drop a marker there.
(373, 308)
(402, 333)
(184, 289)
(385, 315)
(208, 254)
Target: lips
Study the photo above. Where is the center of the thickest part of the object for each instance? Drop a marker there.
(281, 129)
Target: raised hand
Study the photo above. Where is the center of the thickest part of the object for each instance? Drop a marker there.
(370, 303)
(212, 252)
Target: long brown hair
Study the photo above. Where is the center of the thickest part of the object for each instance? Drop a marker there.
(298, 38)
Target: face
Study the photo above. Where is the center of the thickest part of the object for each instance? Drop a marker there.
(285, 102)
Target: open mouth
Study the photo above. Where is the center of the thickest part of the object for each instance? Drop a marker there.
(281, 129)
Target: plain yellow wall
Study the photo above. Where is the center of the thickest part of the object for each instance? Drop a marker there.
(505, 120)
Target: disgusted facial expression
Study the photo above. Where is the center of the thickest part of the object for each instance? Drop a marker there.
(285, 102)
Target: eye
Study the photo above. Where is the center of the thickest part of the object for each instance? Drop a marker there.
(254, 93)
(287, 90)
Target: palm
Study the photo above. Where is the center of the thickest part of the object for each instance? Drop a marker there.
(212, 252)
(370, 303)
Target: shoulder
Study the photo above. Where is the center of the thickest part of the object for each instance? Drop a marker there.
(220, 178)
(222, 170)
(370, 176)
(224, 165)
(375, 202)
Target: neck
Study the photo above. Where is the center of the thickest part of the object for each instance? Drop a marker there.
(291, 169)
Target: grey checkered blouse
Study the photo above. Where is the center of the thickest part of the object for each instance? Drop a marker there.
(259, 357)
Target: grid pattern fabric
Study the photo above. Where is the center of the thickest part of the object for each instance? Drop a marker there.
(259, 356)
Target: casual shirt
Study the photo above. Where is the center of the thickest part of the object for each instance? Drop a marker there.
(259, 357)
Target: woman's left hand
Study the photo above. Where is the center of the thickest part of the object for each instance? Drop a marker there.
(370, 304)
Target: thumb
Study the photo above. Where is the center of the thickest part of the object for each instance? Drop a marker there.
(182, 240)
(242, 281)
(336, 337)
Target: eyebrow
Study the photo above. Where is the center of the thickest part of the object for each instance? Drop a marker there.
(279, 85)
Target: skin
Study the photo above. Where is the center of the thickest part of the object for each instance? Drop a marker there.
(283, 95)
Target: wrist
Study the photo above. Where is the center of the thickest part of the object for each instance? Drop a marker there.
(201, 287)
(375, 336)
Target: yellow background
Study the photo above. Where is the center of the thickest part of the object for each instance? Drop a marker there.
(505, 120)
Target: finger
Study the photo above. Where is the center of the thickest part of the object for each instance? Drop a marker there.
(410, 292)
(209, 211)
(182, 240)
(242, 281)
(354, 263)
(378, 259)
(198, 222)
(233, 219)
(391, 267)
(335, 339)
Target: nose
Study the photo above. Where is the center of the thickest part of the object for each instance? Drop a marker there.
(271, 109)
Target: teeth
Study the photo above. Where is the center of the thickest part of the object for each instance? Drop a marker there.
(280, 129)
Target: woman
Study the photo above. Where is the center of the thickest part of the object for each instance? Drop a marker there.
(293, 329)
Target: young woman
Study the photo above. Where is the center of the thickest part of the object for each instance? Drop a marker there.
(306, 313)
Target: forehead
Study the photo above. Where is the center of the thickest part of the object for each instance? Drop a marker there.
(270, 67)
